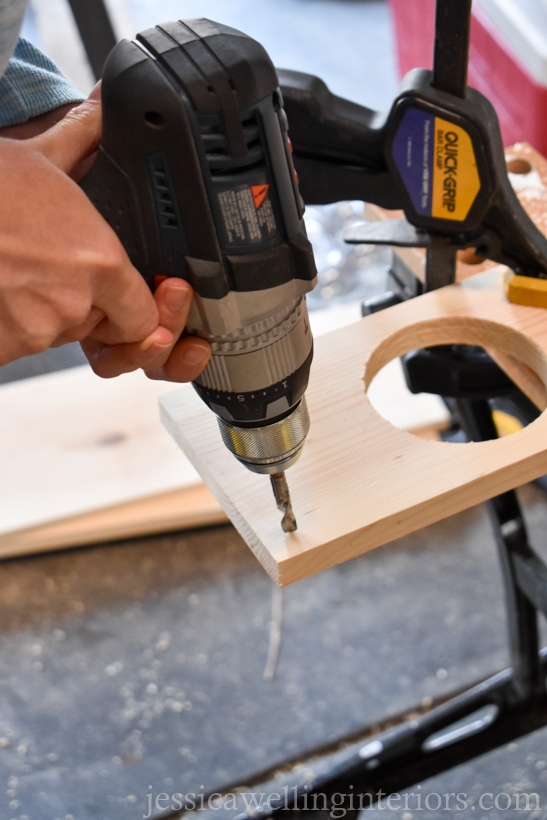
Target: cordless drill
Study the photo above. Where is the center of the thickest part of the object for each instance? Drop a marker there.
(194, 173)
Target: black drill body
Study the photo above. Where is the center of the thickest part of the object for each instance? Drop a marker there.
(195, 175)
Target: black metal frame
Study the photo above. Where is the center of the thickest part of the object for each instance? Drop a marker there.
(385, 759)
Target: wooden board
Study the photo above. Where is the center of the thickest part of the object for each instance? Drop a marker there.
(184, 508)
(86, 460)
(360, 482)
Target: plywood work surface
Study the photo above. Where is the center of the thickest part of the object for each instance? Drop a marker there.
(86, 459)
(360, 482)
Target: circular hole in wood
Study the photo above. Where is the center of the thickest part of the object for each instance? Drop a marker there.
(519, 165)
(485, 355)
(469, 257)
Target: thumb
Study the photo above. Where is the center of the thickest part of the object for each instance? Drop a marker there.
(74, 138)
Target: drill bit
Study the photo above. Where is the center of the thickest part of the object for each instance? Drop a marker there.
(283, 499)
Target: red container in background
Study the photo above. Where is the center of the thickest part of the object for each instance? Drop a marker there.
(507, 58)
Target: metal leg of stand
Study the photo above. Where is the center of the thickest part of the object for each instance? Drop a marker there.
(386, 759)
(96, 31)
(515, 551)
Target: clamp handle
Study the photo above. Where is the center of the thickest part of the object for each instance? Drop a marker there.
(437, 154)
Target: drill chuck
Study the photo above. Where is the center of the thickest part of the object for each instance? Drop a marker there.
(272, 448)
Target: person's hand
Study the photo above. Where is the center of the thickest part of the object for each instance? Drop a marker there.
(163, 354)
(64, 275)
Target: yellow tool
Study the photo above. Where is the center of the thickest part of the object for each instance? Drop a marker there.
(526, 290)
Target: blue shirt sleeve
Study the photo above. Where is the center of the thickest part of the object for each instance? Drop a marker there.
(32, 85)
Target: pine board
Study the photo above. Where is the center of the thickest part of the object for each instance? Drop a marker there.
(86, 459)
(360, 482)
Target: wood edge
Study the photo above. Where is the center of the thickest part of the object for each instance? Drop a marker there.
(184, 508)
(172, 412)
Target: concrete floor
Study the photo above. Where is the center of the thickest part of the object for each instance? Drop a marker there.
(138, 668)
(133, 669)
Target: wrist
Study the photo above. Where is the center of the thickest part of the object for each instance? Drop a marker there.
(37, 125)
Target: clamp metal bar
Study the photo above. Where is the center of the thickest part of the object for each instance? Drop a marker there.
(96, 31)
(450, 58)
(451, 52)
